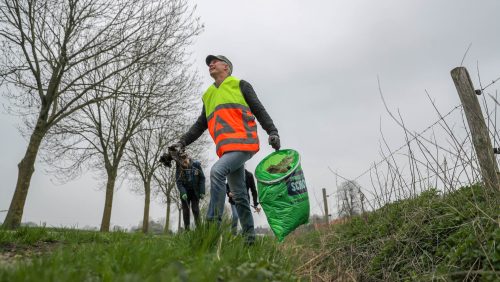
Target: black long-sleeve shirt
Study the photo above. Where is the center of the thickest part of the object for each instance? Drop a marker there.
(256, 108)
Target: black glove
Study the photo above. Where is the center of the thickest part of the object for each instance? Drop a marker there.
(166, 159)
(274, 141)
(176, 147)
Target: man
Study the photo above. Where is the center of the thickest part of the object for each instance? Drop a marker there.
(250, 184)
(190, 181)
(230, 107)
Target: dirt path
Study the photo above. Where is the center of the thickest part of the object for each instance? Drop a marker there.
(11, 253)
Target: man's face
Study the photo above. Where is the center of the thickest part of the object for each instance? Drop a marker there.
(217, 67)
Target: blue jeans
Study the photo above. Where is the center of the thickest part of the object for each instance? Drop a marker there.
(234, 220)
(231, 166)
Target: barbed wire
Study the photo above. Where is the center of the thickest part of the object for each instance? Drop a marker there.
(415, 182)
(392, 153)
(400, 188)
(493, 132)
(380, 197)
(407, 142)
(485, 106)
(491, 83)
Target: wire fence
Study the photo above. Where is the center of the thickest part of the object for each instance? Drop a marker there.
(392, 153)
(399, 238)
(445, 161)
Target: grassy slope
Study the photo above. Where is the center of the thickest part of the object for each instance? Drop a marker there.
(432, 237)
(201, 255)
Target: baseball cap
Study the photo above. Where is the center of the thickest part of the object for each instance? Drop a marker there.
(220, 58)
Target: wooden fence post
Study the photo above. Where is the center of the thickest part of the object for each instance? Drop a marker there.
(480, 136)
(325, 203)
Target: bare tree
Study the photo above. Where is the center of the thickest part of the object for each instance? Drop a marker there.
(166, 181)
(349, 197)
(162, 126)
(147, 146)
(105, 129)
(54, 54)
(143, 154)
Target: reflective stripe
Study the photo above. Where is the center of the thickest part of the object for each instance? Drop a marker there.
(227, 106)
(226, 128)
(247, 117)
(249, 128)
(236, 141)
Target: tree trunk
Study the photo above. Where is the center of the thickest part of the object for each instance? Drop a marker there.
(26, 168)
(108, 204)
(179, 223)
(167, 218)
(147, 198)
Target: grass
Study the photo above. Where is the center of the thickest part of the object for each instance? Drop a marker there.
(433, 237)
(205, 254)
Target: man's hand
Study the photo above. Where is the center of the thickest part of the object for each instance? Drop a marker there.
(184, 197)
(177, 147)
(274, 141)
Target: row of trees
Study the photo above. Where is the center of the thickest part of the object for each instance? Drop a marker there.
(100, 85)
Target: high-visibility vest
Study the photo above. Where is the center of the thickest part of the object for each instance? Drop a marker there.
(230, 121)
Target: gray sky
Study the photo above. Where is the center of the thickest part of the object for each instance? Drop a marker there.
(314, 65)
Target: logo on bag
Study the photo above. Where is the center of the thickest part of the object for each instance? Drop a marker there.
(296, 184)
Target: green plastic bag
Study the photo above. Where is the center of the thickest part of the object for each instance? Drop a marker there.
(283, 191)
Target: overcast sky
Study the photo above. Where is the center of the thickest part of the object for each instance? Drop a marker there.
(315, 66)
